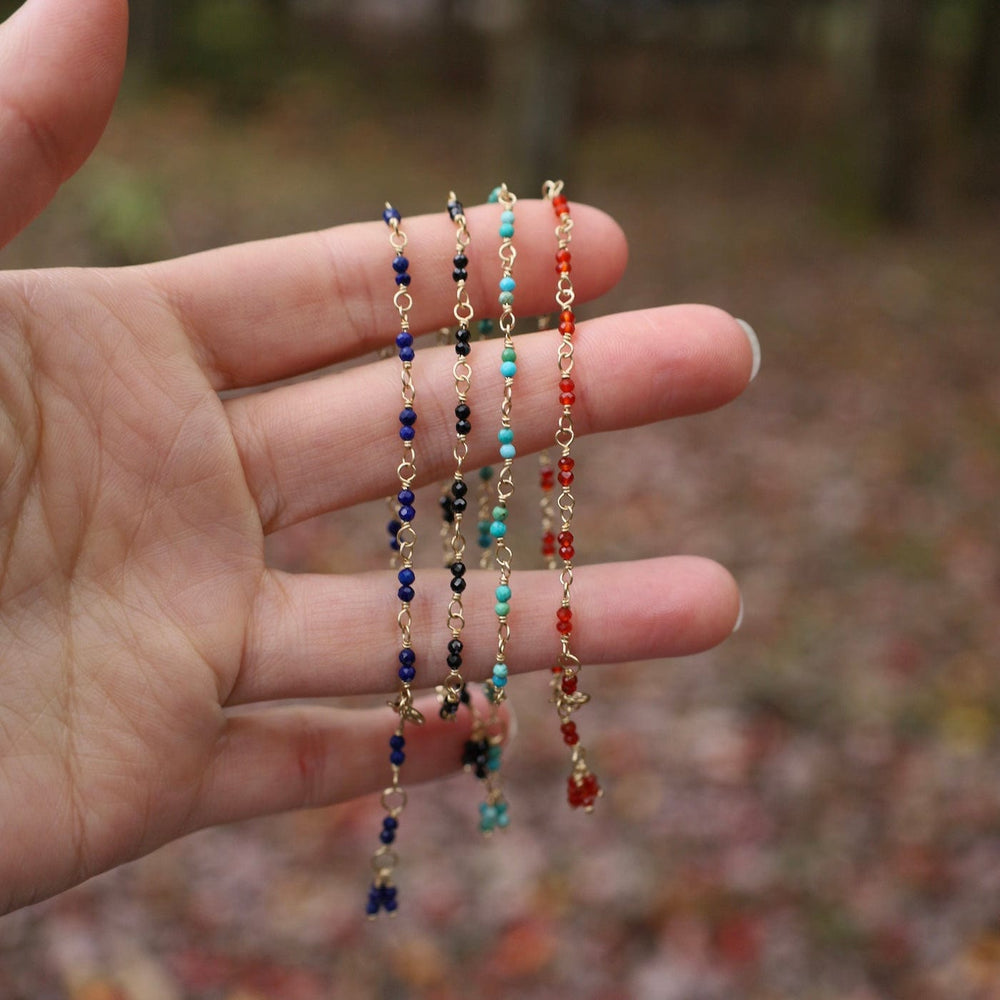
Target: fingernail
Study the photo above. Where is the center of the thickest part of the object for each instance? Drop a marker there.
(739, 616)
(754, 346)
(511, 723)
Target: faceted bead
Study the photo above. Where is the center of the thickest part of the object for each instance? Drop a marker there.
(454, 661)
(567, 321)
(502, 609)
(507, 215)
(407, 657)
(567, 398)
(566, 384)
(406, 576)
(560, 205)
(569, 734)
(463, 350)
(463, 411)
(507, 451)
(505, 435)
(459, 504)
(506, 298)
(508, 354)
(455, 209)
(396, 742)
(404, 339)
(498, 529)
(407, 513)
(459, 274)
(564, 628)
(407, 433)
(397, 757)
(405, 594)
(499, 513)
(400, 265)
(548, 544)
(390, 823)
(458, 585)
(458, 569)
(402, 279)
(566, 463)
(508, 369)
(548, 478)
(569, 685)
(507, 283)
(503, 593)
(406, 497)
(563, 256)
(459, 488)
(566, 552)
(460, 260)
(406, 354)
(564, 614)
(565, 478)
(393, 528)
(455, 646)
(463, 427)
(406, 674)
(387, 836)
(462, 334)
(389, 214)
(485, 326)
(486, 472)
(408, 416)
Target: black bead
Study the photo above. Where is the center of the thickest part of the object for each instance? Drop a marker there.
(463, 411)
(459, 488)
(456, 646)
(454, 661)
(463, 427)
(463, 350)
(480, 770)
(465, 697)
(455, 209)
(460, 274)
(458, 569)
(457, 585)
(460, 261)
(459, 505)
(462, 335)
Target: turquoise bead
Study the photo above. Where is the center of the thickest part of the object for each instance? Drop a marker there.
(507, 284)
(503, 593)
(507, 451)
(502, 609)
(499, 670)
(506, 298)
(506, 231)
(499, 513)
(508, 369)
(483, 526)
(493, 764)
(494, 196)
(498, 529)
(503, 820)
(505, 435)
(499, 682)
(509, 354)
(486, 472)
(507, 215)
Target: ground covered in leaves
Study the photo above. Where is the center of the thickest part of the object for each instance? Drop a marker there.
(811, 811)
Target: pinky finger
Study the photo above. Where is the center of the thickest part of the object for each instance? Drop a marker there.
(275, 759)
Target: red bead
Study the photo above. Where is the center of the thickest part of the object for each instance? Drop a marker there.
(564, 614)
(567, 321)
(569, 685)
(548, 544)
(567, 399)
(565, 478)
(569, 734)
(564, 628)
(557, 670)
(547, 478)
(564, 268)
(566, 552)
(560, 205)
(565, 537)
(566, 384)
(563, 256)
(566, 463)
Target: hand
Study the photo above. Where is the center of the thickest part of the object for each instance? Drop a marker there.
(142, 631)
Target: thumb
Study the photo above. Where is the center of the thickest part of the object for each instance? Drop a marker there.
(61, 62)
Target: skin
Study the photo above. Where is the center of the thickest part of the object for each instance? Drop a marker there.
(147, 646)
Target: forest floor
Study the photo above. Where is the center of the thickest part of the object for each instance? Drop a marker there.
(809, 812)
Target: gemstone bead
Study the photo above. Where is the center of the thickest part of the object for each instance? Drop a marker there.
(406, 354)
(567, 321)
(406, 497)
(506, 298)
(407, 657)
(459, 488)
(400, 265)
(507, 284)
(404, 339)
(506, 230)
(503, 592)
(406, 576)
(389, 214)
(508, 369)
(498, 529)
(402, 280)
(407, 513)
(463, 427)
(407, 433)
(507, 451)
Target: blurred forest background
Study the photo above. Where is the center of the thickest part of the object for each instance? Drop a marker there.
(810, 812)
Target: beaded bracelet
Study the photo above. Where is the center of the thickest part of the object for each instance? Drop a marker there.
(483, 751)
(583, 789)
(382, 893)
(452, 691)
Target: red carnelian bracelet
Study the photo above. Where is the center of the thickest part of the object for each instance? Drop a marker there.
(583, 789)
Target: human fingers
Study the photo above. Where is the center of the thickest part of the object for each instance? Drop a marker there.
(313, 636)
(61, 67)
(631, 368)
(291, 757)
(263, 311)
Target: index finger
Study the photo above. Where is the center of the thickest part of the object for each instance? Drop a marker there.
(263, 311)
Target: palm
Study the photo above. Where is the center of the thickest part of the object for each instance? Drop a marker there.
(141, 607)
(149, 654)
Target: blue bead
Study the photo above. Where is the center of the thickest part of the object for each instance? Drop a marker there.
(508, 369)
(406, 497)
(494, 196)
(390, 823)
(397, 756)
(506, 231)
(502, 609)
(503, 592)
(393, 527)
(507, 284)
(402, 280)
(503, 821)
(405, 594)
(390, 213)
(485, 541)
(407, 657)
(407, 433)
(390, 904)
(396, 742)
(394, 545)
(499, 682)
(407, 513)
(507, 451)
(506, 215)
(400, 264)
(505, 435)
(387, 836)
(498, 529)
(408, 416)
(406, 354)
(406, 576)
(372, 907)
(404, 339)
